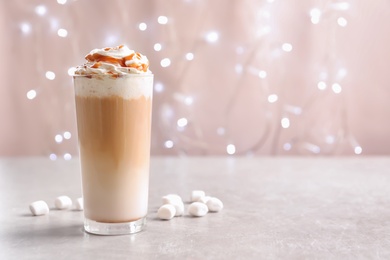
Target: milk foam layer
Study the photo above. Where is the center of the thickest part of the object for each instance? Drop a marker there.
(127, 87)
(115, 61)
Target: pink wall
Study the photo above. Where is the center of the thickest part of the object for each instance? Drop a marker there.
(227, 92)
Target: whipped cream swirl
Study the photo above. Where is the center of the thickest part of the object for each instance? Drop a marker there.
(114, 61)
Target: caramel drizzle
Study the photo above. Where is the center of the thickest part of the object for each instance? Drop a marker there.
(98, 59)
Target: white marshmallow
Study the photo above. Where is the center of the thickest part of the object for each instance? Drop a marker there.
(214, 205)
(176, 201)
(197, 209)
(39, 207)
(166, 212)
(170, 198)
(196, 195)
(179, 206)
(79, 204)
(63, 202)
(204, 199)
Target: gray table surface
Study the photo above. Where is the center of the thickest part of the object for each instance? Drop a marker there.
(275, 208)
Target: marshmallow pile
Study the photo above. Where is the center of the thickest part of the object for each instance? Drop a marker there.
(172, 205)
(40, 207)
(201, 204)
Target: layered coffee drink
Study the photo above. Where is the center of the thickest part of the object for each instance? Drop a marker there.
(113, 105)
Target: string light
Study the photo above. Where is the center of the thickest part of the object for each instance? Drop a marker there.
(293, 109)
(265, 14)
(262, 74)
(62, 32)
(238, 68)
(50, 75)
(31, 94)
(67, 135)
(330, 139)
(40, 10)
(221, 131)
(142, 26)
(287, 47)
(231, 149)
(315, 15)
(182, 122)
(212, 37)
(342, 21)
(336, 88)
(167, 111)
(333, 80)
(189, 56)
(111, 40)
(71, 71)
(157, 47)
(287, 146)
(58, 138)
(168, 144)
(263, 31)
(188, 101)
(272, 98)
(53, 156)
(239, 50)
(342, 73)
(162, 19)
(340, 6)
(321, 85)
(165, 62)
(25, 28)
(358, 150)
(285, 122)
(54, 24)
(159, 87)
(313, 148)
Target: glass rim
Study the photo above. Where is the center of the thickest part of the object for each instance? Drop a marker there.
(114, 76)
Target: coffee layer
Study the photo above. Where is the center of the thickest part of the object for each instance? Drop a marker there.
(114, 139)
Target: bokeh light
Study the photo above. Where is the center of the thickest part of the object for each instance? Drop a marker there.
(212, 37)
(157, 47)
(182, 122)
(168, 144)
(31, 94)
(162, 19)
(166, 62)
(50, 75)
(287, 47)
(189, 56)
(207, 75)
(58, 138)
(272, 98)
(40, 10)
(285, 122)
(142, 26)
(342, 21)
(231, 149)
(62, 32)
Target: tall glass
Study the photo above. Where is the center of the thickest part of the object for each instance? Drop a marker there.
(114, 128)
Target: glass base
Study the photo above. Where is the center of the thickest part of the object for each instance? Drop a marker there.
(112, 229)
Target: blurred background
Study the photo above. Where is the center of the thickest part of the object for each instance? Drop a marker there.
(240, 77)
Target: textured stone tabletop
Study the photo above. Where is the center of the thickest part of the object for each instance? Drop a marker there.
(275, 208)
